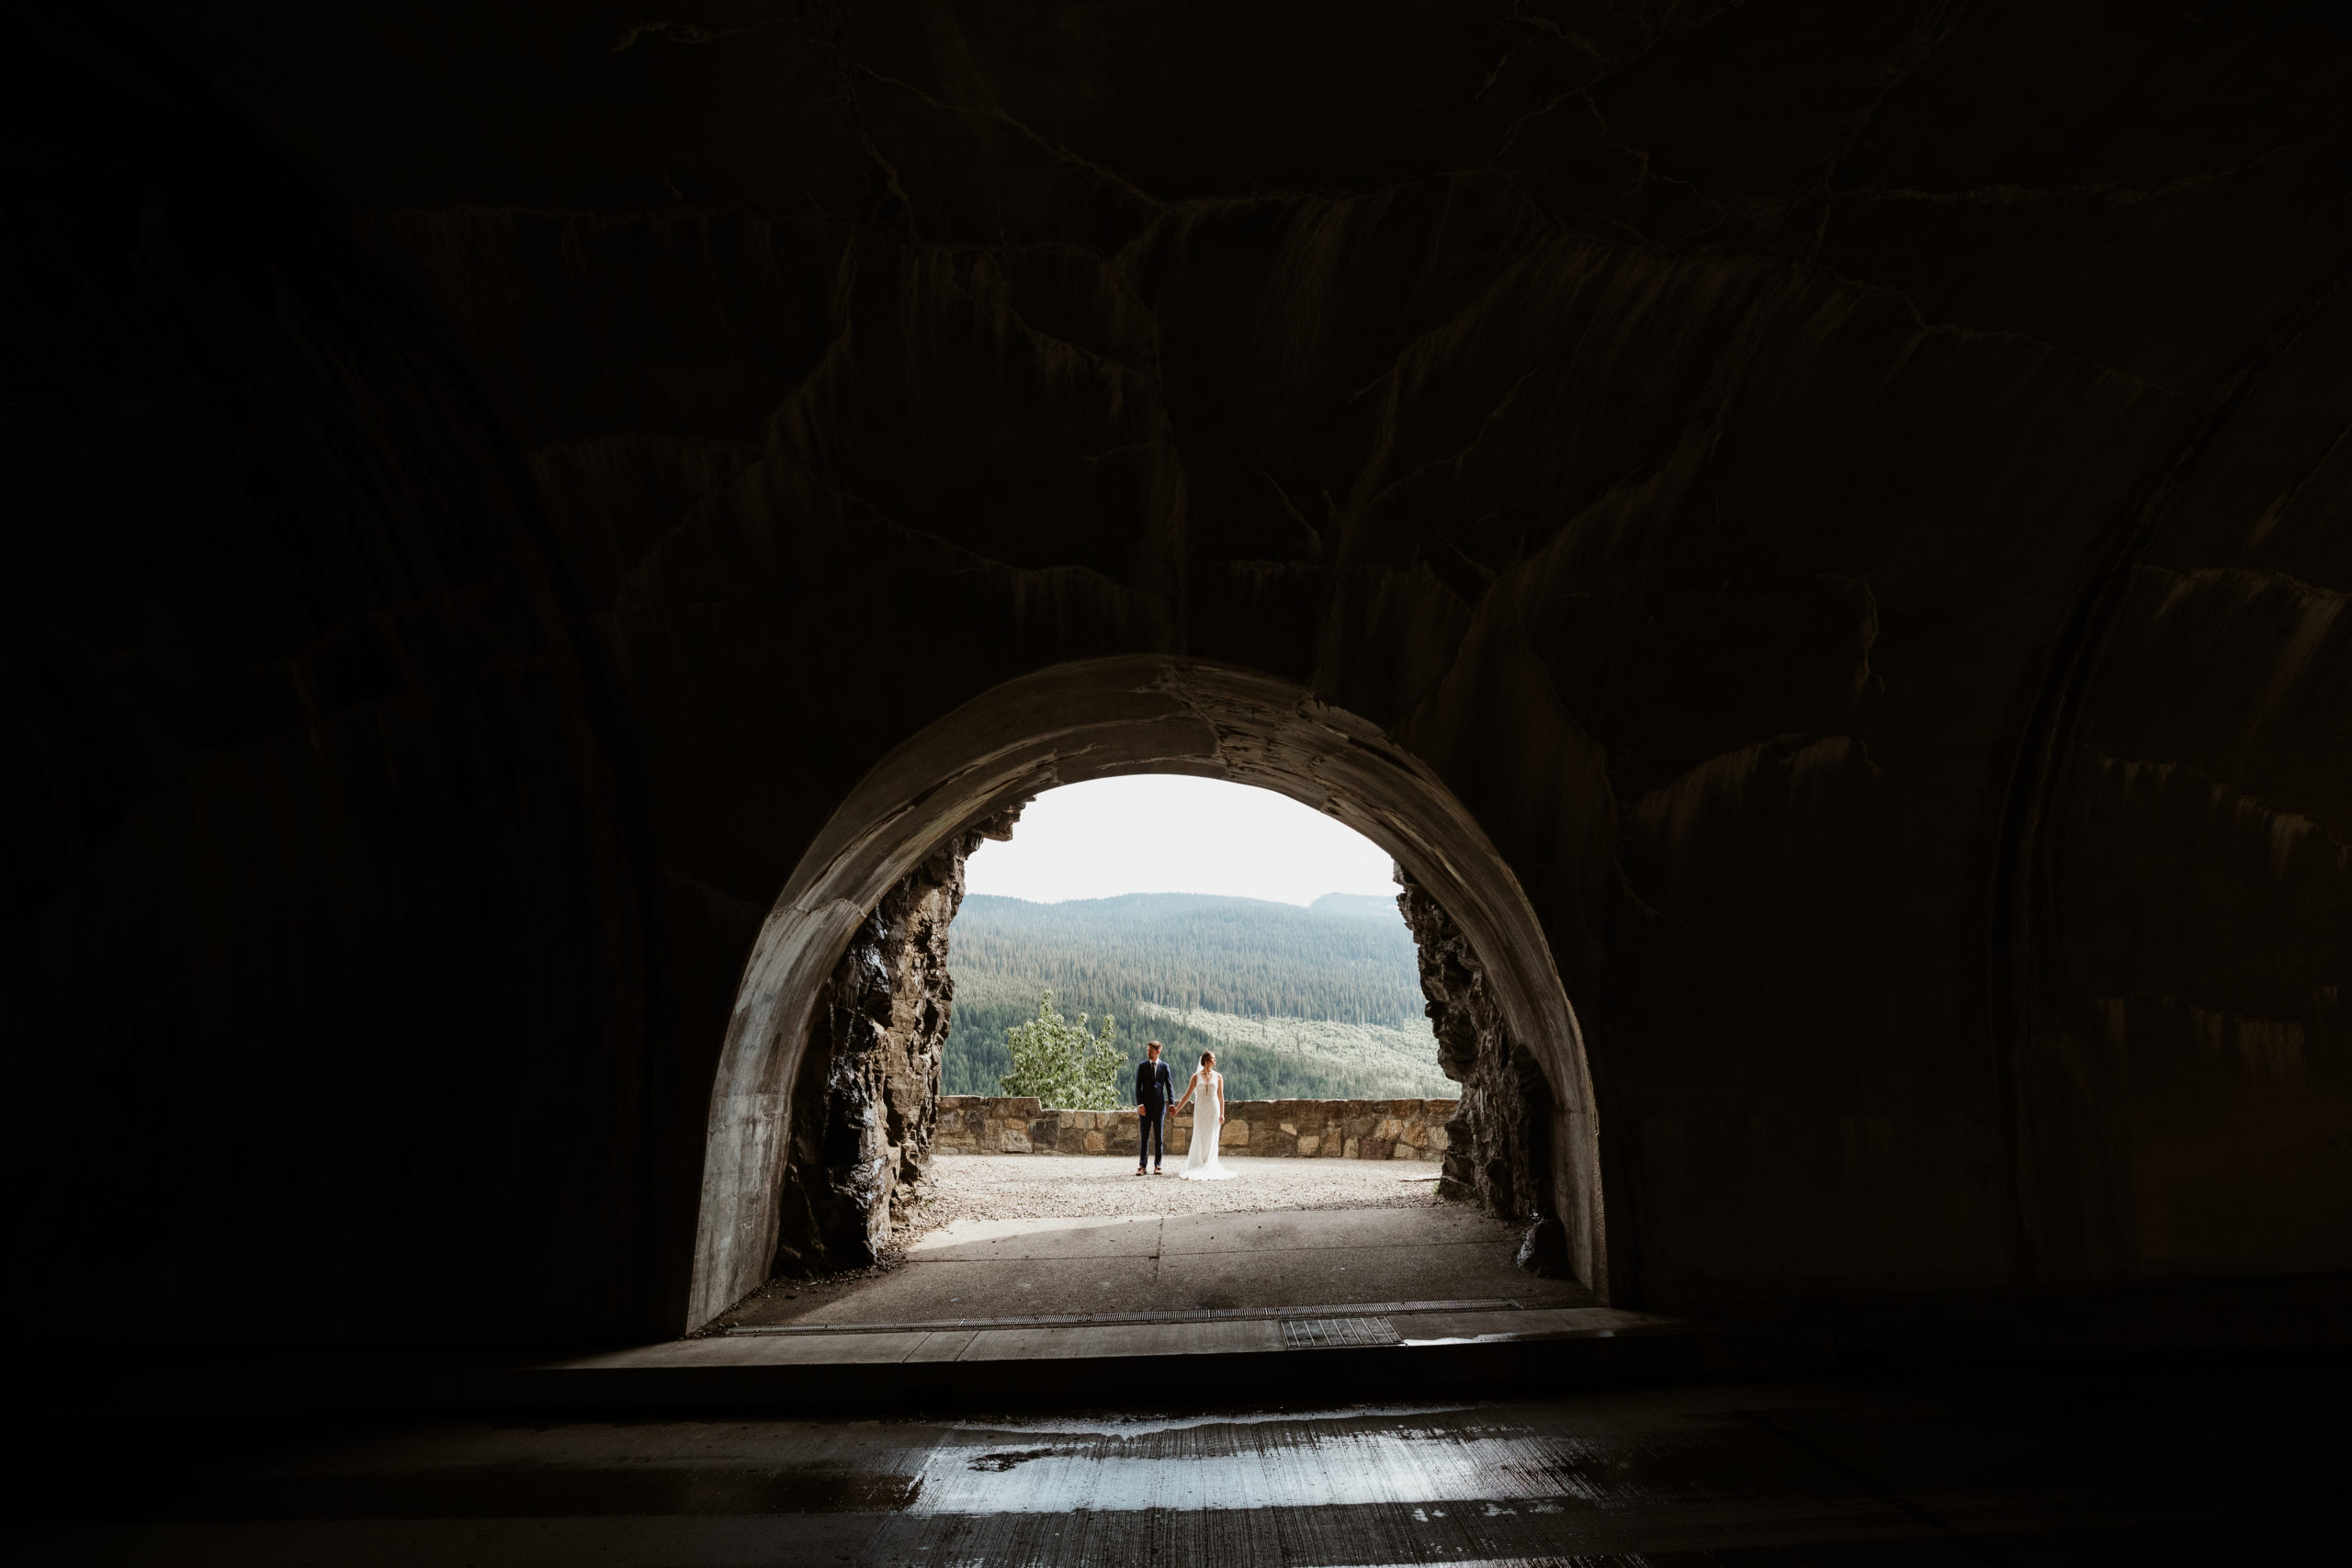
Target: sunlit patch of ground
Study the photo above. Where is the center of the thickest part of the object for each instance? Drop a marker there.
(1021, 1187)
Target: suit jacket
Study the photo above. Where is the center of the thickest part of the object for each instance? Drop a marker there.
(1155, 1085)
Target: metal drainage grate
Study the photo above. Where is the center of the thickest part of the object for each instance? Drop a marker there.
(1330, 1333)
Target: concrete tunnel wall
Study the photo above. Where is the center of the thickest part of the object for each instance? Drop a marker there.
(1850, 500)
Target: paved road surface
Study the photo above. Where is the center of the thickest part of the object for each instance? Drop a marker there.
(1181, 1262)
(2149, 1466)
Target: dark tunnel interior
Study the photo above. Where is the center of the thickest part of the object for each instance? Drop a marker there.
(1813, 531)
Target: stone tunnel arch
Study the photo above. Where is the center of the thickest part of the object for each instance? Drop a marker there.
(1090, 720)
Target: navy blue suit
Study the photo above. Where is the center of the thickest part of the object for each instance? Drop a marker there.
(1155, 1087)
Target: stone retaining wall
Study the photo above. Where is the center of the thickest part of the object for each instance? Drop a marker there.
(1285, 1129)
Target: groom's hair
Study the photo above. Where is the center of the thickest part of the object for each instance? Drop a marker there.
(1153, 1046)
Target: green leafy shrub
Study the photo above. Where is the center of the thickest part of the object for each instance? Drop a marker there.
(1065, 1065)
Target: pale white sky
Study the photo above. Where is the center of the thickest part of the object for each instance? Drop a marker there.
(1162, 833)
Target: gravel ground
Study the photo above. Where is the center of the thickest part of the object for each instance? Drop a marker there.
(1025, 1187)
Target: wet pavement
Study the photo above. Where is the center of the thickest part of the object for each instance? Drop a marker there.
(2153, 1465)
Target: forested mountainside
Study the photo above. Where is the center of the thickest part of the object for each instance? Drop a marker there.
(1311, 1003)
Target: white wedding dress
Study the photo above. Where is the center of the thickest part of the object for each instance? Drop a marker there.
(1202, 1164)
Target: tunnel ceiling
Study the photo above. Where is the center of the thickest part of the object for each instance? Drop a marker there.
(1853, 498)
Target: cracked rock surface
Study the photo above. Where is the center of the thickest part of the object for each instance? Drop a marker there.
(867, 1102)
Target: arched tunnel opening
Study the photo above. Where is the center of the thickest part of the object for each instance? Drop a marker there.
(1233, 920)
(824, 1111)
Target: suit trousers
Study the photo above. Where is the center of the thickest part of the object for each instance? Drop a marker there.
(1153, 1140)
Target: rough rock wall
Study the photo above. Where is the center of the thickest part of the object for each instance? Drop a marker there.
(1499, 1144)
(1866, 549)
(866, 1105)
(2185, 1058)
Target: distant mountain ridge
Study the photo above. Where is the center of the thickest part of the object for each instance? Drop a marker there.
(1357, 906)
(1320, 1002)
(1197, 950)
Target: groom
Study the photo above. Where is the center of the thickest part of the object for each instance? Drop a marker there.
(1155, 1086)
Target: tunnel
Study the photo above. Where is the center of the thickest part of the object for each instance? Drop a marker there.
(1815, 534)
(1101, 718)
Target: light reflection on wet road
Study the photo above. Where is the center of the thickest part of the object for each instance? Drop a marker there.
(2147, 1468)
(1306, 1464)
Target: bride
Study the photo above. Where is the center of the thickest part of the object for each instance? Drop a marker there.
(1208, 1123)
